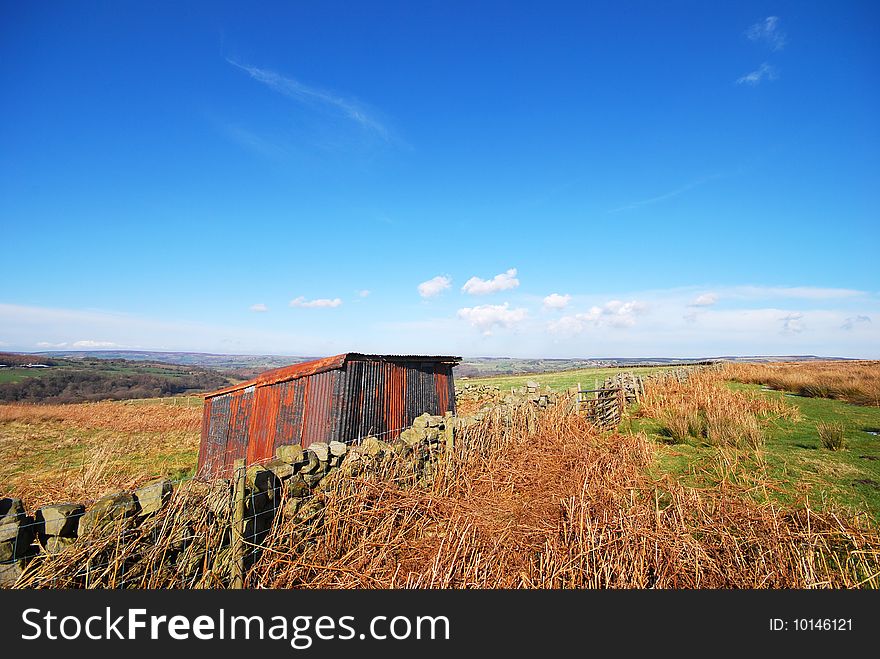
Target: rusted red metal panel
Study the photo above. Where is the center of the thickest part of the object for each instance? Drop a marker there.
(204, 445)
(287, 373)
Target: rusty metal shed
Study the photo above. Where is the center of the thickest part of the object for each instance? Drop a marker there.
(344, 398)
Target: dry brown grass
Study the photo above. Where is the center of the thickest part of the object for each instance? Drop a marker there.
(702, 407)
(78, 452)
(122, 416)
(523, 502)
(853, 381)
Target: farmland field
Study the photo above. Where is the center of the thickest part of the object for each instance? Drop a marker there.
(80, 451)
(589, 378)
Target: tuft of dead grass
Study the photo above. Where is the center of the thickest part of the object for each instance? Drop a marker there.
(702, 407)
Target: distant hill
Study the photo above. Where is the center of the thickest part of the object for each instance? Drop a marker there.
(84, 378)
(239, 367)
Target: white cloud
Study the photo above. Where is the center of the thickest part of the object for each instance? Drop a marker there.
(434, 286)
(612, 314)
(705, 300)
(854, 321)
(47, 344)
(768, 32)
(314, 96)
(487, 316)
(759, 75)
(259, 308)
(792, 323)
(315, 304)
(502, 282)
(88, 343)
(556, 301)
(363, 293)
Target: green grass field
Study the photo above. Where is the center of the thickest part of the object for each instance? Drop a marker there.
(8, 374)
(792, 465)
(589, 378)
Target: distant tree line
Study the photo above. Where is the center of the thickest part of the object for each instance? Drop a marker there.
(14, 359)
(78, 386)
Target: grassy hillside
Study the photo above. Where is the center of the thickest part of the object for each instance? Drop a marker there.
(76, 380)
(561, 380)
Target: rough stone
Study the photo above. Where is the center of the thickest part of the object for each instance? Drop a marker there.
(422, 421)
(313, 479)
(261, 479)
(10, 572)
(106, 511)
(310, 509)
(321, 449)
(291, 508)
(297, 488)
(338, 449)
(19, 545)
(152, 496)
(55, 545)
(60, 520)
(12, 516)
(280, 468)
(412, 436)
(312, 465)
(290, 453)
(374, 447)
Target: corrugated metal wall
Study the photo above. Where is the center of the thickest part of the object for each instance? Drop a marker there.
(364, 397)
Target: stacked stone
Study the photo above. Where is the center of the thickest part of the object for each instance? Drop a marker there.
(60, 525)
(478, 393)
(293, 477)
(17, 533)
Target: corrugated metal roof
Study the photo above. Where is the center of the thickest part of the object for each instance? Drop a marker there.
(303, 369)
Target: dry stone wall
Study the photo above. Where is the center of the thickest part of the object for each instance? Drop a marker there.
(284, 487)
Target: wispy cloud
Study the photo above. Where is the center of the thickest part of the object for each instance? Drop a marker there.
(759, 75)
(315, 96)
(768, 32)
(363, 293)
(319, 303)
(556, 301)
(794, 292)
(665, 196)
(615, 314)
(259, 308)
(434, 286)
(90, 343)
(502, 282)
(853, 321)
(488, 316)
(249, 140)
(704, 300)
(792, 323)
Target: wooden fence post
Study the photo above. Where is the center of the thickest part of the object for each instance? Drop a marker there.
(239, 474)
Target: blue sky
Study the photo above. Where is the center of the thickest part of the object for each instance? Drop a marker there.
(535, 180)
